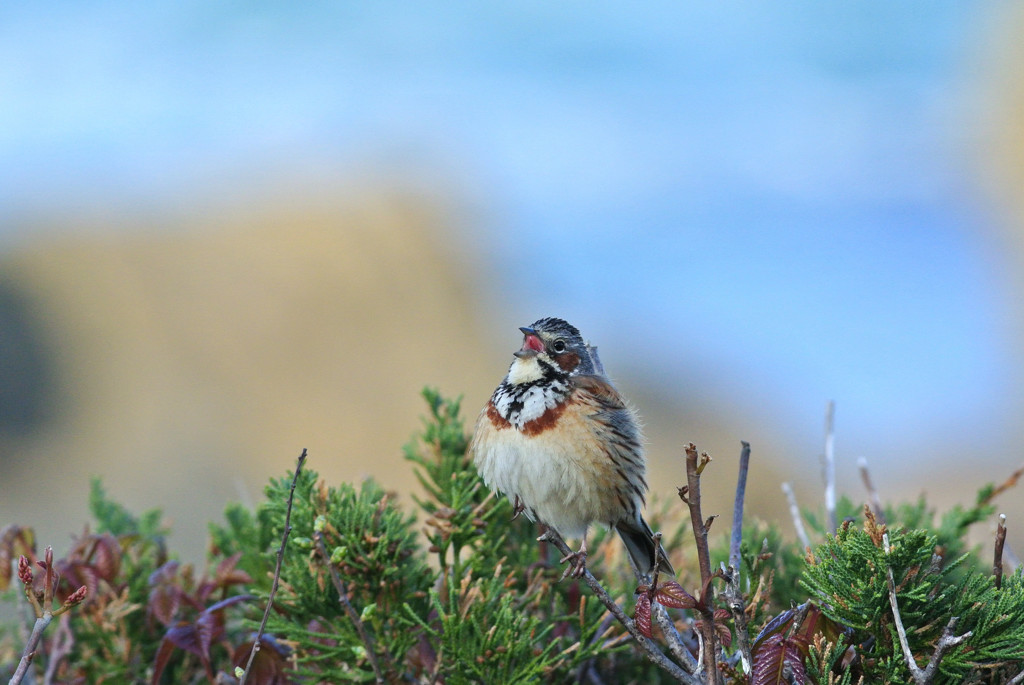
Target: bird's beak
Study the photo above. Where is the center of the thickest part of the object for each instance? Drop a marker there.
(532, 344)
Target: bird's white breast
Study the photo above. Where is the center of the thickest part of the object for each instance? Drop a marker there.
(545, 475)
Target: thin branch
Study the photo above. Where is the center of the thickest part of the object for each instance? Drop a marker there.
(650, 649)
(1004, 486)
(44, 610)
(733, 594)
(277, 570)
(946, 642)
(794, 512)
(1017, 679)
(830, 467)
(691, 495)
(31, 646)
(676, 646)
(350, 611)
(873, 498)
(738, 608)
(737, 507)
(997, 561)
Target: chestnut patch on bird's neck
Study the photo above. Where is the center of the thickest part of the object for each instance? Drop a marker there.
(495, 417)
(545, 421)
(567, 361)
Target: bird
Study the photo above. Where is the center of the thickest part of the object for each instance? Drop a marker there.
(559, 440)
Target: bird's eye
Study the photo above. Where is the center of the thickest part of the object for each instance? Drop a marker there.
(559, 346)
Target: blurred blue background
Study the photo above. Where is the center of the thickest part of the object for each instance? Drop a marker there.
(753, 208)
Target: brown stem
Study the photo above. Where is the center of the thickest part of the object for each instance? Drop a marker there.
(997, 562)
(694, 466)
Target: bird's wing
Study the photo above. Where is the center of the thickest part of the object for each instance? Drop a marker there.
(602, 390)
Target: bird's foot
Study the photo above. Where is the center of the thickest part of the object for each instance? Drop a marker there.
(517, 508)
(577, 564)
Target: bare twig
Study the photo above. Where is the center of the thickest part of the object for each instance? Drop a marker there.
(676, 646)
(30, 647)
(946, 642)
(1004, 486)
(43, 608)
(794, 512)
(997, 562)
(737, 607)
(691, 495)
(732, 593)
(650, 649)
(1017, 679)
(830, 467)
(277, 570)
(873, 498)
(737, 507)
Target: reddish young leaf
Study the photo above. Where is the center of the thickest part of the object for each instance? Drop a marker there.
(642, 614)
(724, 634)
(104, 553)
(164, 600)
(51, 573)
(773, 627)
(166, 573)
(671, 594)
(813, 622)
(77, 573)
(194, 638)
(163, 655)
(228, 574)
(166, 595)
(779, 661)
(268, 668)
(224, 603)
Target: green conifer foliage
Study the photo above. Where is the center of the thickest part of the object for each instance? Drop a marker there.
(448, 588)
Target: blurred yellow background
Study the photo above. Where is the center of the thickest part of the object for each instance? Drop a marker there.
(230, 234)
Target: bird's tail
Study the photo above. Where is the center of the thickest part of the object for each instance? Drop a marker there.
(639, 541)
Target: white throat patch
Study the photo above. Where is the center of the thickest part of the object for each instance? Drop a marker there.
(525, 371)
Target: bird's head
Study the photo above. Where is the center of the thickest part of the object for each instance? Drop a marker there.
(556, 343)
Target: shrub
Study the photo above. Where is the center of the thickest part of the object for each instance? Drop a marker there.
(456, 593)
